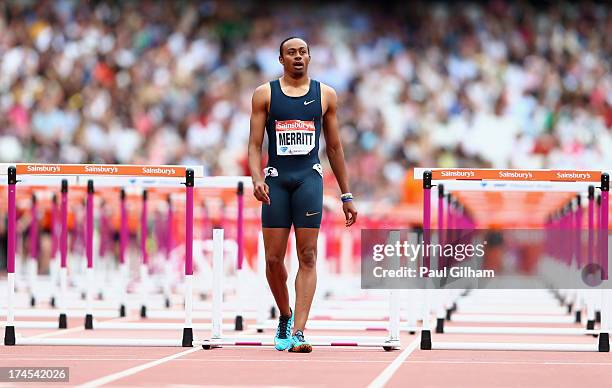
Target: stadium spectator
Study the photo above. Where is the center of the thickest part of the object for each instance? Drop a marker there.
(503, 84)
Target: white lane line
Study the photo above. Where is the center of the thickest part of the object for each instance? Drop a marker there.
(386, 374)
(128, 372)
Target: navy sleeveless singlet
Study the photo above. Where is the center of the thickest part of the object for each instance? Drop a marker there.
(294, 172)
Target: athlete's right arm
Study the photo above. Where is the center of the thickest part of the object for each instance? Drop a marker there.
(259, 113)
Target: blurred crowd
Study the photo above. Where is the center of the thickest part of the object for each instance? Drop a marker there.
(451, 84)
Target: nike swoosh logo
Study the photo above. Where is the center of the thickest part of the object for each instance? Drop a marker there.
(308, 214)
(308, 102)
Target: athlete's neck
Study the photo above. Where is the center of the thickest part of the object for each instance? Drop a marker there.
(295, 82)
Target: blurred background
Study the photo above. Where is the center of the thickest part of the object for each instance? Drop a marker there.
(437, 84)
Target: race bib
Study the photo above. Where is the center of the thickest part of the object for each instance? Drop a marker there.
(294, 137)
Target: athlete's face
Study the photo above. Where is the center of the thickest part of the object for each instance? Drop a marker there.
(295, 57)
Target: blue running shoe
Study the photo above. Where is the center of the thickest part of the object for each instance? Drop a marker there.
(300, 345)
(283, 340)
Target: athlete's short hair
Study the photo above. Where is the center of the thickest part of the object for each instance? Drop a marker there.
(280, 49)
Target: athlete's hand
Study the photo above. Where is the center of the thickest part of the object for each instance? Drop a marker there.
(350, 213)
(261, 191)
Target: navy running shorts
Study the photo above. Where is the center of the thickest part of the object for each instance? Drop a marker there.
(296, 198)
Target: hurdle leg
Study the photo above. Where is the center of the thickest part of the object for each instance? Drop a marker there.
(32, 268)
(89, 293)
(240, 294)
(590, 309)
(393, 340)
(604, 335)
(144, 279)
(217, 291)
(11, 233)
(188, 329)
(63, 245)
(426, 330)
(261, 272)
(411, 309)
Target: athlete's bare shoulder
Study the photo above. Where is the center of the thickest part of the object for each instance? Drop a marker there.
(329, 97)
(261, 96)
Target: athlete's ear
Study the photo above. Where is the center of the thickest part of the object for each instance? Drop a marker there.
(280, 59)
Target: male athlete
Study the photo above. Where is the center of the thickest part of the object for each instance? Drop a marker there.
(292, 110)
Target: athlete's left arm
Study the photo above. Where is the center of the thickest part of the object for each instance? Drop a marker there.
(335, 153)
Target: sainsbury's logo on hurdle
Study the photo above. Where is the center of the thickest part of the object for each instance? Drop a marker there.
(43, 168)
(526, 175)
(159, 171)
(573, 175)
(110, 170)
(458, 174)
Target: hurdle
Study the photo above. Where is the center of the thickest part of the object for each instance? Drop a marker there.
(145, 312)
(528, 180)
(357, 315)
(218, 339)
(240, 183)
(166, 175)
(572, 214)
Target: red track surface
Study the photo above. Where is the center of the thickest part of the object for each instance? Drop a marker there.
(350, 367)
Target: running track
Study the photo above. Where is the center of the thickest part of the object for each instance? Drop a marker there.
(350, 367)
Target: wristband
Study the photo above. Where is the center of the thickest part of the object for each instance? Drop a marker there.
(346, 197)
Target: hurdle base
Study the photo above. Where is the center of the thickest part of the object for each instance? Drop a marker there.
(272, 312)
(440, 325)
(167, 303)
(108, 342)
(187, 337)
(53, 301)
(122, 311)
(88, 322)
(598, 316)
(238, 323)
(267, 341)
(604, 342)
(32, 301)
(515, 346)
(143, 311)
(449, 314)
(425, 340)
(578, 316)
(391, 345)
(213, 343)
(591, 326)
(9, 335)
(63, 321)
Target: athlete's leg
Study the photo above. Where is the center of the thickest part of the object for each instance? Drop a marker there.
(306, 279)
(275, 243)
(276, 223)
(306, 209)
